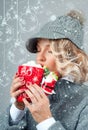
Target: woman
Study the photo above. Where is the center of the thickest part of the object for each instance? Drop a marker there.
(57, 46)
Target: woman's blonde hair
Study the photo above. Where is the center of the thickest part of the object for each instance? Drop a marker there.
(70, 60)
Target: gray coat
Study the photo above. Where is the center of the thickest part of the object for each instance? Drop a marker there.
(69, 107)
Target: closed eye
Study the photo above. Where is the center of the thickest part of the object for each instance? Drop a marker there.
(49, 51)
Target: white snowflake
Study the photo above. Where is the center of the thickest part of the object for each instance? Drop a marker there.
(35, 79)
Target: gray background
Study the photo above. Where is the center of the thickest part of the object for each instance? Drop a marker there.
(19, 20)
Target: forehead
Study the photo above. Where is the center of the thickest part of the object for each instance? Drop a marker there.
(43, 42)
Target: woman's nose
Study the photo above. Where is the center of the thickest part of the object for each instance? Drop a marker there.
(41, 57)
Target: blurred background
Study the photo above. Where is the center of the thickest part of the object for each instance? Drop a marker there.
(19, 20)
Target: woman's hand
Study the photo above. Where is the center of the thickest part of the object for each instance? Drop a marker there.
(15, 91)
(39, 106)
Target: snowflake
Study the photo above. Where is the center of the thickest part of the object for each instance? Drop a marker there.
(35, 79)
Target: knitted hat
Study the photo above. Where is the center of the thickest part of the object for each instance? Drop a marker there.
(63, 27)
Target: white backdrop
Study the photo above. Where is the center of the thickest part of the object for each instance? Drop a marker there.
(19, 19)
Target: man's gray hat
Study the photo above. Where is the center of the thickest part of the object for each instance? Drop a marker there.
(63, 27)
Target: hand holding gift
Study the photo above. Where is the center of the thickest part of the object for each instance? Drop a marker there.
(34, 73)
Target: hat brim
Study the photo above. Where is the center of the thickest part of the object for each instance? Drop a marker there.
(31, 45)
